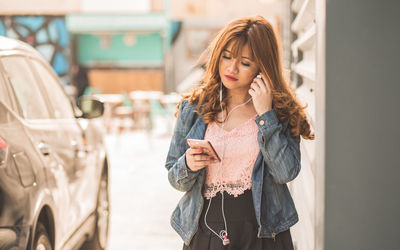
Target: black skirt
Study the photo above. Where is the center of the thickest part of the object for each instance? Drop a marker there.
(241, 224)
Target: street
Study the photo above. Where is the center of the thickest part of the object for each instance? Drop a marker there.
(142, 199)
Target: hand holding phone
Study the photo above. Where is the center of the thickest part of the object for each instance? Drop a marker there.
(200, 154)
(205, 145)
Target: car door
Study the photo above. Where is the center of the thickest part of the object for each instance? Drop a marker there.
(81, 158)
(18, 177)
(49, 139)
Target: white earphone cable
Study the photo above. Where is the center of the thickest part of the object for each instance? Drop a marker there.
(223, 233)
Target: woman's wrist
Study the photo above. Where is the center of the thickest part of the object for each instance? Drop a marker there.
(263, 111)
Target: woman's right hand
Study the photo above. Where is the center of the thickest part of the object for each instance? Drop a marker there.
(196, 159)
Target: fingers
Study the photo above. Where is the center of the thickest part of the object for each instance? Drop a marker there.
(261, 94)
(266, 81)
(197, 159)
(259, 85)
(252, 92)
(256, 85)
(202, 157)
(193, 151)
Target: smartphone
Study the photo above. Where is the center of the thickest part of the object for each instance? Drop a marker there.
(205, 145)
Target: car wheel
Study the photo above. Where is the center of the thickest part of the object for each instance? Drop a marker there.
(42, 241)
(100, 237)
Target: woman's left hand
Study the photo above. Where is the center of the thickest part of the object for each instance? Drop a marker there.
(260, 91)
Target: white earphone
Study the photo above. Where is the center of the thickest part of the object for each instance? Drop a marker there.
(223, 234)
(220, 94)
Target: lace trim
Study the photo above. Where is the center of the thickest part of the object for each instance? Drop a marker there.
(234, 189)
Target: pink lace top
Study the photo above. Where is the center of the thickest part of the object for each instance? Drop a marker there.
(241, 150)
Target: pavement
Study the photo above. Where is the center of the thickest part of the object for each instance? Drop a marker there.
(142, 199)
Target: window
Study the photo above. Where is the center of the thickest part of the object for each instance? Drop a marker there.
(25, 88)
(3, 91)
(59, 101)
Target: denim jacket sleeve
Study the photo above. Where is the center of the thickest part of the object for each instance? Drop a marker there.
(179, 175)
(280, 150)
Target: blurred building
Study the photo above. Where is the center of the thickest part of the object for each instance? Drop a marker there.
(48, 34)
(124, 52)
(122, 46)
(129, 45)
(42, 25)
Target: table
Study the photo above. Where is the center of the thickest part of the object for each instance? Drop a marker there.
(110, 102)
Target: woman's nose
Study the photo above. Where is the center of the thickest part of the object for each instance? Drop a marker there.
(233, 67)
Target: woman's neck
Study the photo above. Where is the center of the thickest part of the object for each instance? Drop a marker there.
(237, 98)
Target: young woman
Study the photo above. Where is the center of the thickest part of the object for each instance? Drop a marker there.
(250, 115)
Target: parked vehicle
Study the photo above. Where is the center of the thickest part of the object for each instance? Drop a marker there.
(53, 162)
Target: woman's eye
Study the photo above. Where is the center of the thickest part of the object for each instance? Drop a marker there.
(246, 64)
(226, 57)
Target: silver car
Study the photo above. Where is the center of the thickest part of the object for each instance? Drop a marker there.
(53, 162)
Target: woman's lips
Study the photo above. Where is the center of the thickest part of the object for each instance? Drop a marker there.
(230, 78)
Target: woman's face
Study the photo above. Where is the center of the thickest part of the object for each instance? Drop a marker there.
(237, 73)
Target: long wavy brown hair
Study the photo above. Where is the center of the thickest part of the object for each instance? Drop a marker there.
(258, 34)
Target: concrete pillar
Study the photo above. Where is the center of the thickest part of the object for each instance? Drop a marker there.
(362, 126)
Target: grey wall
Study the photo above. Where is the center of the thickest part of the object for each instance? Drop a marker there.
(362, 154)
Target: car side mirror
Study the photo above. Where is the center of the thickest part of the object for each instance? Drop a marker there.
(90, 107)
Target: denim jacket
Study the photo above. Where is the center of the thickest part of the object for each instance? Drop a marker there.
(277, 163)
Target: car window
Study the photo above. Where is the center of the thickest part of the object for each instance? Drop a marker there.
(25, 88)
(59, 101)
(3, 91)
